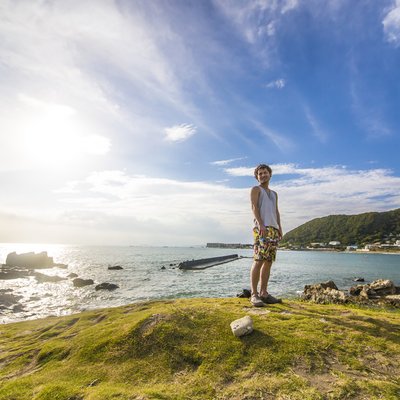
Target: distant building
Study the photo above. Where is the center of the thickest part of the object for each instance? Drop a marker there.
(334, 243)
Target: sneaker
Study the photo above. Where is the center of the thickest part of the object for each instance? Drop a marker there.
(256, 301)
(268, 299)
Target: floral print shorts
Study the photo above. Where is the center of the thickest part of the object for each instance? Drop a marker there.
(265, 246)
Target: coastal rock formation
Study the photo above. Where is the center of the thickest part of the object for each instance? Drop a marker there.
(115, 267)
(72, 275)
(79, 282)
(381, 291)
(325, 292)
(106, 286)
(242, 326)
(30, 260)
(374, 290)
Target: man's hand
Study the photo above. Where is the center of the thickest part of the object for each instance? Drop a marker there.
(280, 234)
(262, 229)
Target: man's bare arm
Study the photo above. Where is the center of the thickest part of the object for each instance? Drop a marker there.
(278, 215)
(254, 195)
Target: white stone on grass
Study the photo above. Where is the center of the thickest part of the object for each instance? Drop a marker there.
(242, 326)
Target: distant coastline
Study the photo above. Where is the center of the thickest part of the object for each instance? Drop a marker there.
(324, 249)
(229, 246)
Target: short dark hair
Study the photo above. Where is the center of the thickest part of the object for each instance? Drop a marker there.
(262, 166)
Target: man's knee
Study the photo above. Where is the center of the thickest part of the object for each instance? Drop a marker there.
(266, 264)
(257, 264)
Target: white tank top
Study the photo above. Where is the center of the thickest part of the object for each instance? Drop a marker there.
(267, 207)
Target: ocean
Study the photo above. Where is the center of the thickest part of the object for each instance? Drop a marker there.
(142, 276)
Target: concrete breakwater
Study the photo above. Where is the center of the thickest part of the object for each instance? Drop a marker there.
(204, 263)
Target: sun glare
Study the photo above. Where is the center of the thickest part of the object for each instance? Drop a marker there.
(56, 137)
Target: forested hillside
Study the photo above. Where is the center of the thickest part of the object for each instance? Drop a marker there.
(348, 229)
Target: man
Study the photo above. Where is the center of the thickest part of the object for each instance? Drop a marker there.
(267, 233)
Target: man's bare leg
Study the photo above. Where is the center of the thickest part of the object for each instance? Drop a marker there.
(264, 277)
(255, 275)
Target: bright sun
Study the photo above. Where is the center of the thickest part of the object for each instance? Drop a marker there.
(54, 136)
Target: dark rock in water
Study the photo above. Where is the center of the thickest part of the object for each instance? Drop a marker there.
(2, 291)
(7, 300)
(107, 286)
(30, 260)
(115, 268)
(18, 308)
(11, 273)
(72, 275)
(59, 265)
(47, 278)
(162, 267)
(325, 292)
(358, 280)
(79, 282)
(34, 298)
(245, 294)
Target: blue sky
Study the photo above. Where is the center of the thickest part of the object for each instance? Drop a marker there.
(140, 122)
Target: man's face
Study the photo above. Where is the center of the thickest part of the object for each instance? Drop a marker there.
(263, 175)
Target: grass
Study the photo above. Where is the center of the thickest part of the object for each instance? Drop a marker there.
(184, 349)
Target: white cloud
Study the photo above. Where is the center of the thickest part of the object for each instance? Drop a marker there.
(114, 207)
(257, 22)
(226, 162)
(178, 133)
(289, 5)
(240, 171)
(277, 169)
(391, 24)
(317, 192)
(277, 84)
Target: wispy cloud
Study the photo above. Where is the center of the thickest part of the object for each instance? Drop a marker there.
(253, 19)
(391, 24)
(277, 169)
(369, 117)
(283, 143)
(258, 22)
(226, 162)
(179, 133)
(317, 131)
(277, 84)
(102, 59)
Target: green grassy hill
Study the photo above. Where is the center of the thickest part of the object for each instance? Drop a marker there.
(184, 349)
(348, 229)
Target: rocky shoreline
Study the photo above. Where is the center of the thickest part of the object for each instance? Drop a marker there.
(24, 265)
(379, 292)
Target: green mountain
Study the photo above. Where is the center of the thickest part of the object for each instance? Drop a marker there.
(348, 229)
